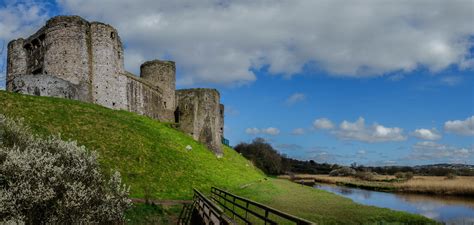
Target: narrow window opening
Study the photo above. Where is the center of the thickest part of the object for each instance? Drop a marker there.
(176, 115)
(37, 91)
(37, 71)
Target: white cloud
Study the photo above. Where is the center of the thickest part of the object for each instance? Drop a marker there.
(451, 80)
(361, 152)
(291, 147)
(255, 131)
(295, 98)
(426, 134)
(222, 41)
(298, 131)
(375, 133)
(461, 127)
(229, 110)
(428, 150)
(252, 131)
(323, 124)
(270, 131)
(18, 19)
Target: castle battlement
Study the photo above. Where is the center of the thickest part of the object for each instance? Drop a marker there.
(72, 58)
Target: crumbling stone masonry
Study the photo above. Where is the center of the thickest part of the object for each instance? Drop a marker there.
(199, 114)
(72, 58)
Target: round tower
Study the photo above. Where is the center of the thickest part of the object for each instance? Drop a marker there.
(16, 61)
(67, 53)
(161, 74)
(107, 50)
(108, 86)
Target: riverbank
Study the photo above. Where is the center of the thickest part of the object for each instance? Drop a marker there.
(449, 210)
(460, 186)
(321, 206)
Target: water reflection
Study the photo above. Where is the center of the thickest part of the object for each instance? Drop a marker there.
(450, 210)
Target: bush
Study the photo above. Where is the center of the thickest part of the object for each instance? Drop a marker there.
(262, 155)
(409, 175)
(451, 176)
(364, 175)
(50, 181)
(342, 172)
(404, 176)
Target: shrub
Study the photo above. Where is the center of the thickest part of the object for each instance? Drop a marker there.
(51, 181)
(262, 155)
(404, 176)
(342, 172)
(364, 175)
(409, 175)
(451, 176)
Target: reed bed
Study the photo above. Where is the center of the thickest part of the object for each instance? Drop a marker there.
(461, 185)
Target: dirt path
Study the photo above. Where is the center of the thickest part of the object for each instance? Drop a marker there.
(163, 202)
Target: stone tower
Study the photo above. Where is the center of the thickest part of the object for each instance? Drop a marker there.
(162, 74)
(87, 55)
(199, 115)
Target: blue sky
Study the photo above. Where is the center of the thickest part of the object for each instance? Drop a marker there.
(372, 82)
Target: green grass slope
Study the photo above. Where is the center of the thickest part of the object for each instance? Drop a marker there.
(151, 156)
(153, 160)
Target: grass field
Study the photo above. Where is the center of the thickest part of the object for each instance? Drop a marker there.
(153, 160)
(462, 186)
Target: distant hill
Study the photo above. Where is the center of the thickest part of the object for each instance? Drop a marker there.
(151, 156)
(446, 165)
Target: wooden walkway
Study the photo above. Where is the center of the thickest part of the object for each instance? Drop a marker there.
(226, 208)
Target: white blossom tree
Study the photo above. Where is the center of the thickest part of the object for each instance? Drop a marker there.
(51, 181)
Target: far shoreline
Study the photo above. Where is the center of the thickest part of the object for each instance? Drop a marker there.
(462, 186)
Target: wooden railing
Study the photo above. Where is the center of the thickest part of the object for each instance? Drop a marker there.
(203, 211)
(235, 210)
(246, 211)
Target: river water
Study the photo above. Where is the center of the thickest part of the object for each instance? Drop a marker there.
(450, 210)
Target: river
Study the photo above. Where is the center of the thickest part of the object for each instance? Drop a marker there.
(449, 210)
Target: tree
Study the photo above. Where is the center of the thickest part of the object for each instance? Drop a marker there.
(262, 155)
(51, 181)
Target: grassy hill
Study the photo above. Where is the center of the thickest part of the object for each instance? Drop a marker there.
(151, 156)
(153, 160)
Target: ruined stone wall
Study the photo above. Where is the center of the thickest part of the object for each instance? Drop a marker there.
(44, 85)
(144, 99)
(162, 74)
(16, 61)
(221, 120)
(72, 58)
(199, 116)
(109, 87)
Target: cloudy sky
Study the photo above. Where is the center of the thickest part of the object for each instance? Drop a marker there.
(375, 82)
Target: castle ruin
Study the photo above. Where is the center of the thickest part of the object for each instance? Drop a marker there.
(72, 58)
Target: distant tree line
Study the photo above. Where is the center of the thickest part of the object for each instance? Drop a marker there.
(269, 160)
(266, 158)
